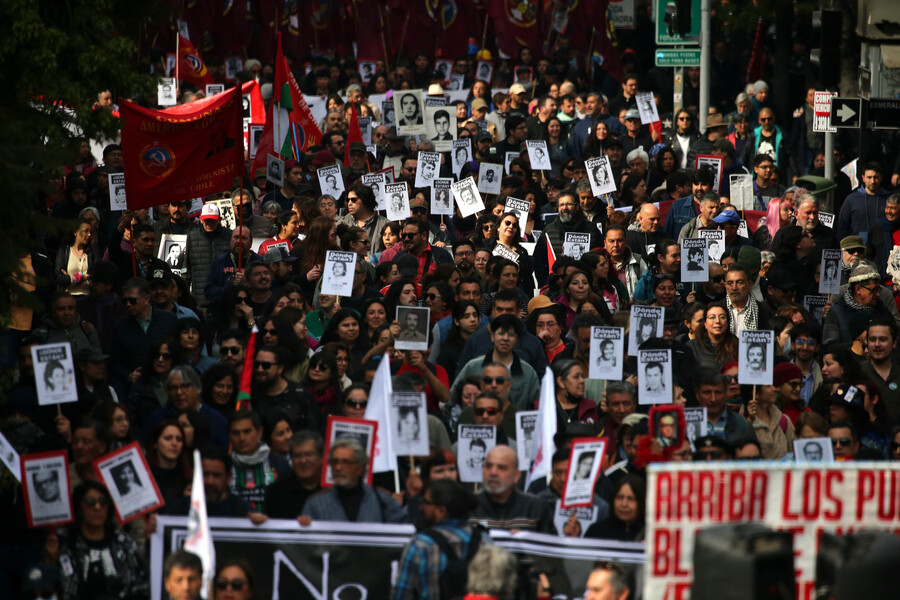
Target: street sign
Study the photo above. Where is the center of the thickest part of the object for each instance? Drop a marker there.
(822, 112)
(846, 113)
(883, 113)
(678, 57)
(664, 10)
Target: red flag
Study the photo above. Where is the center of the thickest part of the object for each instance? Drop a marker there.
(184, 152)
(516, 25)
(354, 134)
(605, 52)
(190, 65)
(244, 392)
(252, 107)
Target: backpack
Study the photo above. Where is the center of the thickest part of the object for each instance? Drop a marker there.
(454, 578)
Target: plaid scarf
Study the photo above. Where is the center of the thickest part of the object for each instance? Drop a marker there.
(751, 314)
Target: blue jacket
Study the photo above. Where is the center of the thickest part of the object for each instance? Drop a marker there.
(860, 211)
(376, 507)
(680, 214)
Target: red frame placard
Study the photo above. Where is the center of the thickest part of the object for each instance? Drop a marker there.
(370, 452)
(64, 487)
(135, 448)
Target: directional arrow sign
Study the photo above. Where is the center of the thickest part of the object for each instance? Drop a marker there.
(846, 113)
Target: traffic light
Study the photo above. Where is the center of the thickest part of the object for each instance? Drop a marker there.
(825, 56)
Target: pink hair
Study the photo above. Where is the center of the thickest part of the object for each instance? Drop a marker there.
(773, 215)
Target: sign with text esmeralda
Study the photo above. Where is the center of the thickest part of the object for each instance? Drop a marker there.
(322, 561)
(183, 152)
(802, 498)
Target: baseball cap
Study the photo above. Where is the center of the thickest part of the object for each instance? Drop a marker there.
(90, 354)
(632, 113)
(418, 202)
(278, 254)
(209, 211)
(852, 241)
(357, 147)
(259, 173)
(484, 135)
(727, 216)
(781, 279)
(479, 104)
(160, 276)
(517, 88)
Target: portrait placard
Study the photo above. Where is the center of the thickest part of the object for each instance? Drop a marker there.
(740, 186)
(473, 444)
(654, 376)
(667, 425)
(507, 253)
(444, 67)
(827, 219)
(715, 164)
(646, 105)
(410, 115)
(468, 200)
(538, 155)
(813, 450)
(10, 458)
(331, 182)
(645, 322)
(484, 71)
(600, 175)
(227, 217)
(233, 66)
(830, 272)
(429, 167)
(408, 416)
(388, 117)
(576, 244)
(440, 122)
(127, 476)
(815, 305)
(365, 128)
(756, 356)
(366, 70)
(489, 177)
(214, 88)
(694, 423)
(254, 134)
(460, 154)
(338, 273)
(607, 353)
(166, 92)
(715, 238)
(172, 248)
(414, 325)
(457, 81)
(397, 198)
(694, 261)
(117, 199)
(442, 196)
(508, 158)
(521, 208)
(585, 460)
(376, 182)
(526, 423)
(45, 486)
(361, 430)
(275, 170)
(54, 373)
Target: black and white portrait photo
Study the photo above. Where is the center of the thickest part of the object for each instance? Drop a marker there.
(45, 483)
(388, 117)
(331, 182)
(275, 170)
(338, 273)
(474, 442)
(396, 197)
(460, 154)
(409, 423)
(485, 71)
(538, 155)
(694, 261)
(600, 176)
(127, 476)
(526, 423)
(830, 272)
(645, 322)
(813, 450)
(489, 176)
(441, 124)
(755, 357)
(54, 373)
(361, 430)
(694, 423)
(366, 70)
(428, 168)
(376, 182)
(410, 112)
(647, 107)
(117, 200)
(715, 239)
(468, 198)
(166, 93)
(414, 326)
(171, 250)
(441, 196)
(585, 459)
(607, 353)
(254, 134)
(654, 376)
(233, 66)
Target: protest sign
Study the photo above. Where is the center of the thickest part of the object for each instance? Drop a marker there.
(429, 166)
(166, 92)
(460, 154)
(740, 186)
(815, 306)
(275, 170)
(127, 476)
(607, 353)
(54, 373)
(409, 418)
(521, 208)
(756, 356)
(694, 423)
(526, 422)
(414, 325)
(376, 182)
(468, 199)
(440, 124)
(654, 376)
(830, 272)
(473, 444)
(10, 458)
(410, 116)
(508, 158)
(645, 322)
(489, 177)
(813, 450)
(647, 108)
(715, 239)
(361, 430)
(576, 244)
(442, 196)
(585, 459)
(117, 200)
(538, 155)
(600, 175)
(45, 486)
(338, 273)
(331, 182)
(715, 164)
(694, 261)
(397, 197)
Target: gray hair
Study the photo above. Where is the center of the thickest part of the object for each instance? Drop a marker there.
(187, 375)
(638, 153)
(326, 197)
(621, 387)
(425, 146)
(353, 87)
(498, 365)
(492, 572)
(138, 284)
(89, 209)
(892, 199)
(583, 186)
(709, 197)
(801, 196)
(269, 205)
(359, 453)
(618, 578)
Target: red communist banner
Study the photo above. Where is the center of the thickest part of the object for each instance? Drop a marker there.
(184, 152)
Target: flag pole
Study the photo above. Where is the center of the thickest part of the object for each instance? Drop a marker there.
(487, 18)
(133, 259)
(177, 60)
(241, 225)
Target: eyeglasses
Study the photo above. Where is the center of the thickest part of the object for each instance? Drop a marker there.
(431, 296)
(491, 380)
(487, 227)
(765, 119)
(242, 300)
(268, 331)
(711, 454)
(352, 198)
(895, 446)
(794, 384)
(465, 253)
(408, 236)
(95, 502)
(486, 411)
(130, 301)
(357, 403)
(263, 364)
(684, 118)
(164, 356)
(799, 342)
(235, 584)
(717, 279)
(224, 350)
(730, 378)
(319, 367)
(841, 442)
(510, 224)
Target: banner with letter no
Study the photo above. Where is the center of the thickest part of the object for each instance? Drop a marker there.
(341, 561)
(804, 499)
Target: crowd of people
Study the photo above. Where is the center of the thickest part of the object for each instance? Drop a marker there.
(160, 338)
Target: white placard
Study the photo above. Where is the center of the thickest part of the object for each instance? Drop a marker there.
(388, 116)
(607, 353)
(396, 196)
(361, 430)
(166, 92)
(815, 305)
(171, 60)
(442, 196)
(414, 324)
(457, 81)
(214, 88)
(813, 450)
(741, 190)
(694, 261)
(468, 200)
(508, 158)
(117, 199)
(715, 164)
(331, 182)
(756, 357)
(743, 230)
(127, 477)
(410, 115)
(10, 458)
(474, 442)
(585, 460)
(489, 177)
(645, 322)
(460, 154)
(850, 171)
(444, 67)
(585, 515)
(694, 424)
(646, 105)
(600, 176)
(520, 208)
(338, 273)
(526, 423)
(576, 244)
(715, 238)
(172, 247)
(504, 252)
(365, 128)
(440, 123)
(485, 71)
(227, 218)
(376, 183)
(429, 167)
(654, 376)
(830, 272)
(538, 155)
(45, 484)
(275, 170)
(233, 66)
(254, 134)
(434, 101)
(54, 373)
(827, 219)
(408, 417)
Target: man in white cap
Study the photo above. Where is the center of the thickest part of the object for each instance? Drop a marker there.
(203, 244)
(635, 134)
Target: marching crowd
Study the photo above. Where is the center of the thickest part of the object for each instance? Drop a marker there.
(160, 342)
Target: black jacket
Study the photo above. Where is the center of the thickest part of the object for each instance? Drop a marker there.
(554, 234)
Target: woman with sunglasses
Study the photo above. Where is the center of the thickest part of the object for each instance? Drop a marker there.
(683, 137)
(234, 312)
(716, 345)
(484, 230)
(779, 213)
(509, 235)
(440, 298)
(220, 388)
(148, 391)
(463, 398)
(322, 381)
(278, 331)
(103, 561)
(233, 581)
(354, 401)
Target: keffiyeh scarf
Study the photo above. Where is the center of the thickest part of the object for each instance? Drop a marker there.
(751, 314)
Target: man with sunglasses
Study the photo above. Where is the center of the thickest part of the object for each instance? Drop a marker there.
(272, 392)
(768, 140)
(844, 440)
(415, 243)
(134, 334)
(231, 349)
(361, 212)
(164, 291)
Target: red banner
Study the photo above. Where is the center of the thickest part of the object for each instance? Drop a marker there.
(516, 25)
(184, 152)
(190, 65)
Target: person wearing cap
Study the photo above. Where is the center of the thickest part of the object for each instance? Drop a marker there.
(684, 209)
(729, 221)
(780, 286)
(715, 128)
(203, 244)
(40, 580)
(280, 265)
(740, 133)
(759, 98)
(516, 133)
(480, 113)
(361, 212)
(861, 300)
(768, 139)
(547, 321)
(881, 366)
(742, 107)
(864, 205)
(358, 157)
(635, 134)
(164, 291)
(93, 385)
(518, 103)
(177, 223)
(765, 184)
